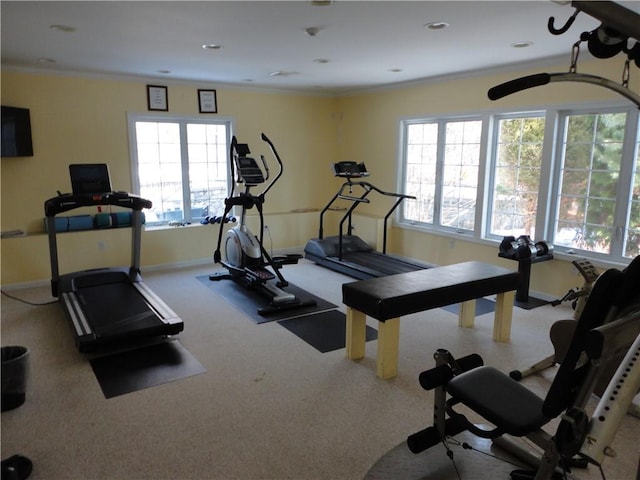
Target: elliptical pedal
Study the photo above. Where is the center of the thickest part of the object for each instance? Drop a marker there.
(260, 274)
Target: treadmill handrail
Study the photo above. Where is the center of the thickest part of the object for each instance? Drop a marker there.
(368, 187)
(69, 201)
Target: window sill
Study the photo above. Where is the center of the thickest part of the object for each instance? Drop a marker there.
(469, 237)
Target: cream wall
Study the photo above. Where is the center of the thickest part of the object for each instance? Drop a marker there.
(78, 119)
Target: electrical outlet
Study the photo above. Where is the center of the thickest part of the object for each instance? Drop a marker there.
(101, 245)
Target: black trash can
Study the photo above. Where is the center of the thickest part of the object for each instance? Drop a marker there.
(15, 372)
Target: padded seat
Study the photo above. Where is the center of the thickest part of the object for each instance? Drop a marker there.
(517, 410)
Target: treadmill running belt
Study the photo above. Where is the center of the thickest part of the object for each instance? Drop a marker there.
(116, 307)
(379, 262)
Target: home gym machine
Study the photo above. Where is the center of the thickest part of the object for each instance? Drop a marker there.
(246, 259)
(106, 306)
(607, 332)
(349, 254)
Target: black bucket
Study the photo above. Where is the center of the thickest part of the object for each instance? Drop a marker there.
(15, 372)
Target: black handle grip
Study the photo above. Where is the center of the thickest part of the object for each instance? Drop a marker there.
(441, 374)
(420, 441)
(518, 84)
(435, 377)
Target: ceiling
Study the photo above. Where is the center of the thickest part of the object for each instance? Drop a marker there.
(351, 45)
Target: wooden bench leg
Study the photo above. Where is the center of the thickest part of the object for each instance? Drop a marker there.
(356, 334)
(504, 314)
(388, 340)
(467, 314)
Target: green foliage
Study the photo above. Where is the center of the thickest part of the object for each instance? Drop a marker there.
(593, 157)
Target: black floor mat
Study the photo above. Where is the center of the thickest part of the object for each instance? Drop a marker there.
(249, 301)
(324, 331)
(483, 306)
(145, 367)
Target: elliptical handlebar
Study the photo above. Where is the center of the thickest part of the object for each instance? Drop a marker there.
(232, 163)
(277, 157)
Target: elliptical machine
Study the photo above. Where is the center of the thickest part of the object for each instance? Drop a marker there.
(246, 259)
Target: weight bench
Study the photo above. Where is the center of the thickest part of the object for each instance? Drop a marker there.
(388, 298)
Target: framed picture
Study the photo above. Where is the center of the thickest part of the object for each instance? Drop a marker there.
(157, 98)
(207, 101)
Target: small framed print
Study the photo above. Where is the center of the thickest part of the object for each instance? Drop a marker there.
(207, 101)
(157, 98)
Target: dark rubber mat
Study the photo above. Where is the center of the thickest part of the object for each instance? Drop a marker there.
(481, 461)
(249, 301)
(483, 306)
(324, 331)
(145, 367)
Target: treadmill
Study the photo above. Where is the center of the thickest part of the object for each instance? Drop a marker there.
(349, 254)
(106, 306)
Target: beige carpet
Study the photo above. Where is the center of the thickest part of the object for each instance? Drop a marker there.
(270, 406)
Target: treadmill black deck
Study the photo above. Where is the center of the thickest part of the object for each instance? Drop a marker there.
(358, 259)
(104, 312)
(117, 307)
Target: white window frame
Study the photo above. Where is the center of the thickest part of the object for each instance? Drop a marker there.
(549, 182)
(492, 159)
(182, 121)
(441, 143)
(625, 183)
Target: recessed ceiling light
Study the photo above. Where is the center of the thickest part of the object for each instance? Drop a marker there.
(395, 70)
(46, 60)
(283, 73)
(62, 28)
(524, 44)
(436, 25)
(211, 46)
(163, 71)
(321, 60)
(312, 31)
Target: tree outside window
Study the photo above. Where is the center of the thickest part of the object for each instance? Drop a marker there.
(517, 176)
(588, 196)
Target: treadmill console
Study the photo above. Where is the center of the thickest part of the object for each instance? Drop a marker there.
(88, 178)
(350, 169)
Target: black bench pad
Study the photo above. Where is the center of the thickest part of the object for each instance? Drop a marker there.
(393, 296)
(499, 399)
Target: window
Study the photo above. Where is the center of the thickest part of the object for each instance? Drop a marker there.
(516, 175)
(180, 164)
(569, 177)
(594, 205)
(442, 162)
